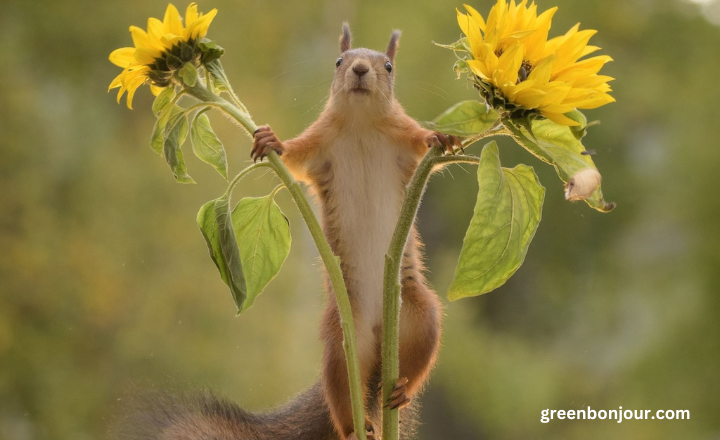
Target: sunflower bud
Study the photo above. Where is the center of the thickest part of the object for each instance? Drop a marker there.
(582, 184)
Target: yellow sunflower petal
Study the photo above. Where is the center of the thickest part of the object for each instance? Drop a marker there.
(519, 35)
(524, 85)
(479, 69)
(121, 92)
(463, 21)
(171, 22)
(191, 13)
(117, 82)
(588, 50)
(536, 43)
(592, 101)
(560, 118)
(155, 28)
(530, 98)
(142, 39)
(552, 45)
(132, 87)
(145, 55)
(169, 40)
(592, 81)
(199, 28)
(472, 31)
(122, 57)
(603, 88)
(541, 72)
(572, 48)
(581, 69)
(156, 89)
(476, 17)
(556, 93)
(509, 63)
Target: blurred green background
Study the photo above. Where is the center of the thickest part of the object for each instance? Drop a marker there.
(106, 285)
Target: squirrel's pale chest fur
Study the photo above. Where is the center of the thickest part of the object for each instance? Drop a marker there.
(362, 208)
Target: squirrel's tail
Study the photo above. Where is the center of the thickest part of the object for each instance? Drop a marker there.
(206, 417)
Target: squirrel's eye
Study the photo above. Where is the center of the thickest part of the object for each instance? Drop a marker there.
(338, 62)
(388, 66)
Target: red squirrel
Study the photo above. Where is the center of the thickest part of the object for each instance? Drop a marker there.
(357, 158)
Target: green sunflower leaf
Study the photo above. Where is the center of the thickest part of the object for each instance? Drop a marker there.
(215, 224)
(207, 146)
(163, 100)
(157, 140)
(467, 118)
(263, 236)
(176, 132)
(506, 216)
(220, 79)
(248, 245)
(559, 146)
(210, 51)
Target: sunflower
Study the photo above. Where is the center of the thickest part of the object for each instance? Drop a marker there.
(519, 69)
(161, 50)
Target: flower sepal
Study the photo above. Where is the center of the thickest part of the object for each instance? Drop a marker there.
(188, 74)
(461, 45)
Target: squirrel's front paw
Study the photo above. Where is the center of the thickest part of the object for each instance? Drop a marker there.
(447, 141)
(264, 141)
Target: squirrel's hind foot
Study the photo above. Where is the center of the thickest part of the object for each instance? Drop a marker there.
(369, 431)
(398, 398)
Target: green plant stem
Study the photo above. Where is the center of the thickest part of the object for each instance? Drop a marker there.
(330, 260)
(495, 130)
(242, 117)
(332, 265)
(391, 282)
(242, 174)
(391, 290)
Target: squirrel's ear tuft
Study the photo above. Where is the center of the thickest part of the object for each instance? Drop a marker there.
(393, 45)
(345, 38)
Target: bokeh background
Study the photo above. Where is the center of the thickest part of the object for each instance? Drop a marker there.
(106, 286)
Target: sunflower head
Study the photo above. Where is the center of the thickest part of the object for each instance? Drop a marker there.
(521, 72)
(161, 51)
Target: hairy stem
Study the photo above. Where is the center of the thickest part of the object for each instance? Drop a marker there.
(391, 282)
(391, 287)
(242, 174)
(330, 260)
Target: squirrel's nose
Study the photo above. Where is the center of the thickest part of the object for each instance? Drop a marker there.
(360, 69)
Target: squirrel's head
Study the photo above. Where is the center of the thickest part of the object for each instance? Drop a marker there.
(364, 77)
